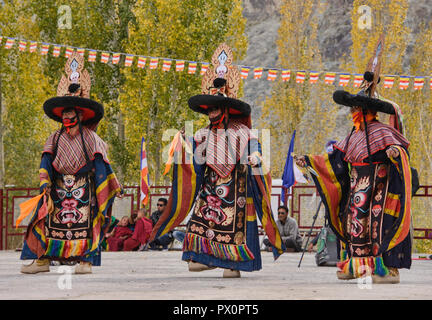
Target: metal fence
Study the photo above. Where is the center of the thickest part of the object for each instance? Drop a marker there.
(301, 200)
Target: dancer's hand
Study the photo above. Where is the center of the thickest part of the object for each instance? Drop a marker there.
(392, 152)
(300, 161)
(253, 161)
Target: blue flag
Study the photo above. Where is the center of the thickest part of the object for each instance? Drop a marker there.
(288, 178)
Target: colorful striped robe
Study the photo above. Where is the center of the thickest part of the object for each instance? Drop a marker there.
(188, 186)
(37, 244)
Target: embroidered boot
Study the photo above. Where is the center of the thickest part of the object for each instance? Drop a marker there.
(38, 265)
(197, 267)
(392, 277)
(344, 276)
(83, 268)
(230, 273)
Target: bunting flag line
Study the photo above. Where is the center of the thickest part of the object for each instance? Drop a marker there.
(115, 58)
(344, 79)
(286, 75)
(329, 77)
(56, 51)
(144, 173)
(166, 66)
(153, 63)
(22, 45)
(128, 60)
(244, 72)
(180, 64)
(272, 74)
(258, 73)
(33, 46)
(92, 56)
(418, 83)
(388, 82)
(142, 62)
(358, 79)
(204, 67)
(192, 67)
(403, 83)
(300, 78)
(105, 57)
(313, 77)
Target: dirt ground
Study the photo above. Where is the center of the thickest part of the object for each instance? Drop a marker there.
(163, 275)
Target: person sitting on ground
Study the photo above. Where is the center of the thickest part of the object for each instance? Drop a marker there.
(119, 234)
(113, 222)
(141, 234)
(164, 241)
(288, 230)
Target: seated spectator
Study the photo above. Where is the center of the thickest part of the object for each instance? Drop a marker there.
(141, 233)
(113, 222)
(120, 233)
(162, 242)
(288, 230)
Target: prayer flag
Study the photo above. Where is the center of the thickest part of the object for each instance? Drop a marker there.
(300, 78)
(115, 58)
(92, 55)
(358, 79)
(180, 64)
(128, 60)
(166, 65)
(404, 82)
(22, 45)
(244, 72)
(272, 75)
(81, 51)
(44, 49)
(291, 174)
(33, 46)
(388, 82)
(344, 79)
(329, 77)
(418, 83)
(69, 52)
(142, 62)
(286, 75)
(56, 50)
(105, 57)
(9, 43)
(154, 63)
(204, 67)
(313, 77)
(258, 73)
(192, 67)
(145, 180)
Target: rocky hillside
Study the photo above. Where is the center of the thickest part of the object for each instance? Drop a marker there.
(263, 21)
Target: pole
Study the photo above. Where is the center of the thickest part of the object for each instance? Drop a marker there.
(310, 232)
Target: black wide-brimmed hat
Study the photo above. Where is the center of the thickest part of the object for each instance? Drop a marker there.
(236, 108)
(91, 110)
(362, 100)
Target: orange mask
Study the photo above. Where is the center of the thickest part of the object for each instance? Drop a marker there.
(358, 118)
